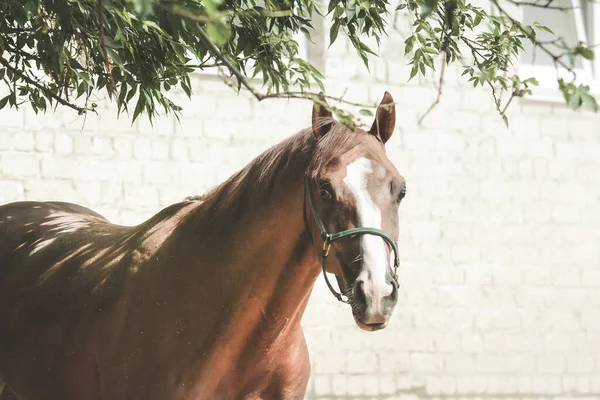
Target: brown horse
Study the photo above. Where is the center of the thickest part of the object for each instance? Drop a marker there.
(203, 300)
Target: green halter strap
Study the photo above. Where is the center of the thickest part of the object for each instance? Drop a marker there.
(329, 238)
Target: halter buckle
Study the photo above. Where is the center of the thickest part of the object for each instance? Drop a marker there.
(326, 248)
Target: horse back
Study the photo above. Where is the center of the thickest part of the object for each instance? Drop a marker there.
(71, 289)
(45, 247)
(28, 227)
(61, 260)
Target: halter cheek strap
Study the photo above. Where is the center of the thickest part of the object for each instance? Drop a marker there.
(328, 239)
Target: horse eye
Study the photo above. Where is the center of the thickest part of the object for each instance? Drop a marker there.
(325, 195)
(402, 194)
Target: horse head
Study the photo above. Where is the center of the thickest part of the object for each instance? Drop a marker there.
(354, 192)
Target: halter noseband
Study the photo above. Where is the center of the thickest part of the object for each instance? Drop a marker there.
(329, 238)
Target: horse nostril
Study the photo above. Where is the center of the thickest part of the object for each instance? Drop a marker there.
(392, 297)
(360, 296)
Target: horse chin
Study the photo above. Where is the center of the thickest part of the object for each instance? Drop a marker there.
(370, 327)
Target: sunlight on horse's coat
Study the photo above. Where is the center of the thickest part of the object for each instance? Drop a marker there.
(39, 245)
(19, 247)
(99, 254)
(157, 235)
(65, 223)
(51, 270)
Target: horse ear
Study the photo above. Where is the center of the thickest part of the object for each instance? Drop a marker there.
(321, 118)
(385, 119)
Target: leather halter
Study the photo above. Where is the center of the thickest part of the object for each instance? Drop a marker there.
(329, 238)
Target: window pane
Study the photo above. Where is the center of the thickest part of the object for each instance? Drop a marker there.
(563, 23)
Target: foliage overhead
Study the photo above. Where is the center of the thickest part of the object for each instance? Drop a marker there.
(66, 52)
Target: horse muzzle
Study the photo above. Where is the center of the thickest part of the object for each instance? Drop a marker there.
(373, 303)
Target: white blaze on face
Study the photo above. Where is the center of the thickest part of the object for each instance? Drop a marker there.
(369, 216)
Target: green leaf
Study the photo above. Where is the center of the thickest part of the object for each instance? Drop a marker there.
(367, 49)
(414, 70)
(132, 92)
(139, 107)
(532, 81)
(332, 5)
(575, 101)
(366, 112)
(333, 32)
(543, 27)
(81, 89)
(589, 101)
(4, 101)
(571, 57)
(427, 7)
(409, 44)
(122, 94)
(219, 33)
(529, 33)
(185, 85)
(338, 12)
(587, 53)
(350, 12)
(449, 9)
(504, 119)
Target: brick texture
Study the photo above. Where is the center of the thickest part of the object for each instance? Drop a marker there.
(500, 230)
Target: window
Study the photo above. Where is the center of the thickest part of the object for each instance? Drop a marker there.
(580, 23)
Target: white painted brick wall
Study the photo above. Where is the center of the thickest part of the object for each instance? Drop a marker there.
(500, 231)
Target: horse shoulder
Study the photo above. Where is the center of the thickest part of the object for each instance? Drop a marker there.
(292, 376)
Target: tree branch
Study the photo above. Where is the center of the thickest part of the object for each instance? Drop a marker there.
(22, 53)
(234, 71)
(510, 99)
(440, 88)
(312, 96)
(111, 84)
(44, 89)
(541, 45)
(245, 82)
(547, 4)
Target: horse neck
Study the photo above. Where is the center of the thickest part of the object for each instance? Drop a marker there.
(279, 266)
(277, 260)
(245, 288)
(261, 261)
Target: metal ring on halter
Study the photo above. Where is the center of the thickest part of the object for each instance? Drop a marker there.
(328, 239)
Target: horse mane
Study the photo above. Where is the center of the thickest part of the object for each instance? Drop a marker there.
(254, 183)
(195, 197)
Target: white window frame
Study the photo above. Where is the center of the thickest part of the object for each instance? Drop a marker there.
(596, 36)
(589, 73)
